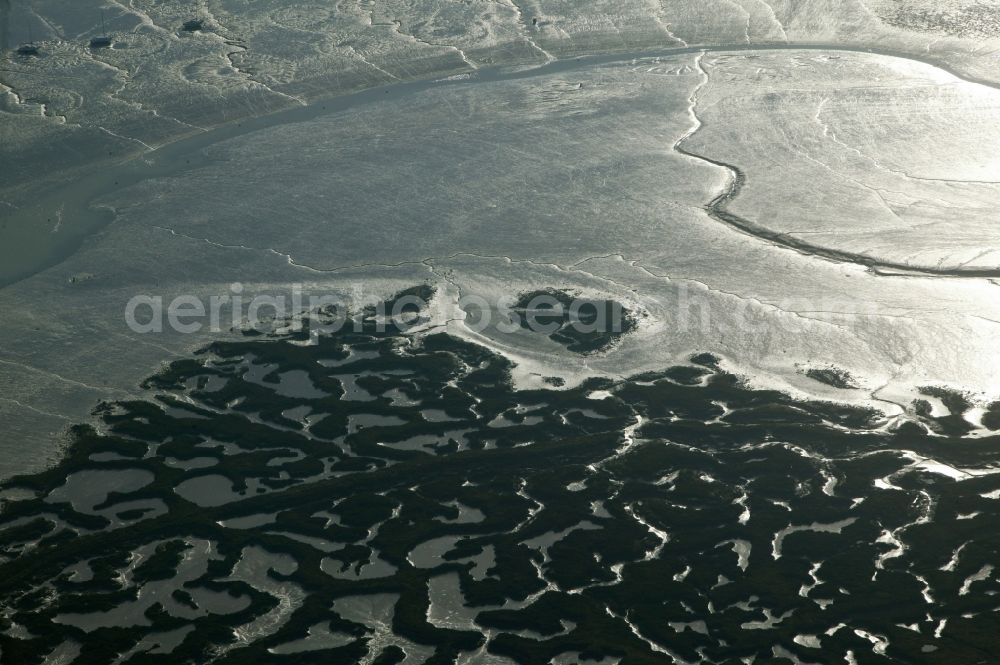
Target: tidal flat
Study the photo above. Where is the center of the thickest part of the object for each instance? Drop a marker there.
(864, 243)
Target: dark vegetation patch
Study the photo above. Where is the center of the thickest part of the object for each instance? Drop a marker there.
(833, 377)
(550, 483)
(582, 325)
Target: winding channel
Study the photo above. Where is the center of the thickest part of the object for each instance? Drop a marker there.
(38, 250)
